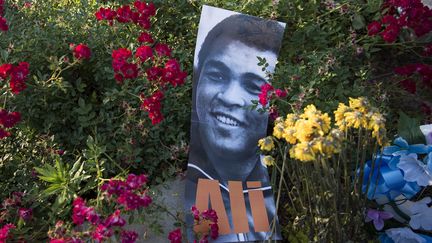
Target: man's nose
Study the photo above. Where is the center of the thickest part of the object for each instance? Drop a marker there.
(232, 96)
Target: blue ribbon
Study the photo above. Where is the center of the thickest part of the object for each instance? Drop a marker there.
(385, 239)
(401, 147)
(387, 180)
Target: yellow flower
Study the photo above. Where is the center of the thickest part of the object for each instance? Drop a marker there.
(266, 144)
(291, 120)
(355, 119)
(268, 160)
(304, 130)
(326, 146)
(289, 135)
(278, 130)
(342, 125)
(337, 135)
(321, 122)
(310, 111)
(340, 113)
(361, 104)
(302, 151)
(376, 122)
(380, 135)
(279, 120)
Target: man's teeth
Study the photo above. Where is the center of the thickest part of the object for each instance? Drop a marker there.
(227, 120)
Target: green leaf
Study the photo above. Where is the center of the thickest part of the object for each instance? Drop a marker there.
(409, 129)
(4, 55)
(373, 6)
(358, 22)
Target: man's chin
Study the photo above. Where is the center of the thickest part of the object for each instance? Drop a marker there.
(230, 153)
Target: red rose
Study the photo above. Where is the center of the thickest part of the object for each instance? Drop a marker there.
(106, 14)
(25, 213)
(389, 20)
(406, 70)
(5, 70)
(175, 236)
(19, 73)
(145, 38)
(163, 50)
(3, 24)
(179, 79)
(409, 85)
(154, 73)
(374, 28)
(4, 134)
(129, 70)
(119, 78)
(390, 33)
(146, 9)
(427, 51)
(17, 86)
(149, 10)
(140, 6)
(144, 22)
(280, 93)
(82, 51)
(124, 14)
(144, 53)
(121, 53)
(120, 57)
(9, 120)
(172, 65)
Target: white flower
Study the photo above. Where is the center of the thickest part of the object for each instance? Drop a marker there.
(421, 214)
(415, 170)
(404, 235)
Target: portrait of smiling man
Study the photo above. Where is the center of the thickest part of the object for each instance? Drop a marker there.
(224, 130)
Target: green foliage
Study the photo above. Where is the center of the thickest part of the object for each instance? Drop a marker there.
(409, 129)
(63, 181)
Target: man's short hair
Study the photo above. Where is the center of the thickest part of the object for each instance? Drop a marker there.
(262, 34)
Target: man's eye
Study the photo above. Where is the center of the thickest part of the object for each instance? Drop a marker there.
(216, 76)
(253, 87)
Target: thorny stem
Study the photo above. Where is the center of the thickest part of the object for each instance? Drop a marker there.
(115, 163)
(59, 71)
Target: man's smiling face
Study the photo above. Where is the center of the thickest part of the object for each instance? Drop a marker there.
(229, 80)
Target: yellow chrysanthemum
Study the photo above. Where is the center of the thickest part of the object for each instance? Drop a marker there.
(278, 130)
(340, 113)
(268, 160)
(337, 135)
(361, 104)
(289, 135)
(266, 144)
(321, 122)
(342, 125)
(279, 120)
(376, 121)
(380, 135)
(310, 111)
(304, 130)
(302, 151)
(290, 120)
(355, 119)
(326, 146)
